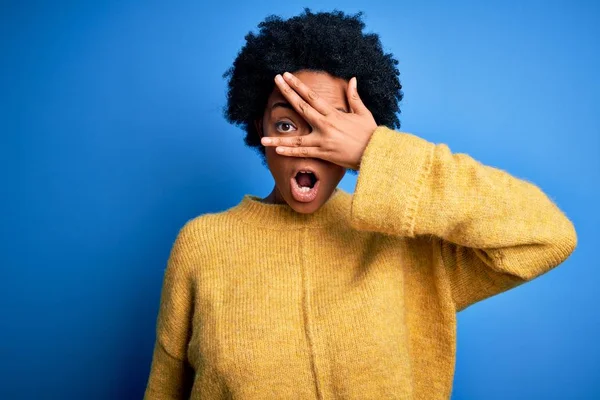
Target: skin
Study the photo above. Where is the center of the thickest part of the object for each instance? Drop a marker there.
(324, 125)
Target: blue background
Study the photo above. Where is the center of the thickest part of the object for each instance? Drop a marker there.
(112, 137)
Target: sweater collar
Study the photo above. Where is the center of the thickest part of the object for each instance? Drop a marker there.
(281, 216)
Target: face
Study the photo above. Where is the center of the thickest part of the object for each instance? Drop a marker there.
(280, 120)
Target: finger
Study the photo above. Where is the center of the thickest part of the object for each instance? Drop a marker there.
(312, 116)
(354, 100)
(312, 97)
(311, 152)
(310, 140)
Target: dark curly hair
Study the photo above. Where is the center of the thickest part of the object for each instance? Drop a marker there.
(325, 41)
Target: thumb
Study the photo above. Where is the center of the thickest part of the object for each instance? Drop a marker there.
(356, 104)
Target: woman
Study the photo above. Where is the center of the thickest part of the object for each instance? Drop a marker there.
(312, 292)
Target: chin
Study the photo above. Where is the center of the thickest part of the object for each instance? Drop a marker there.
(306, 208)
(310, 206)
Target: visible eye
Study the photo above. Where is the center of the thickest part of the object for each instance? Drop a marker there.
(285, 127)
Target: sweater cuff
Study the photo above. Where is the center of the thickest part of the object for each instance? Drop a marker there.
(393, 171)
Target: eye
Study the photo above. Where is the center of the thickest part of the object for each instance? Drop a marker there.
(284, 126)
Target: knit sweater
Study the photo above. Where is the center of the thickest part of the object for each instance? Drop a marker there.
(357, 300)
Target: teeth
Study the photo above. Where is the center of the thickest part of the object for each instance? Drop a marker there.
(303, 188)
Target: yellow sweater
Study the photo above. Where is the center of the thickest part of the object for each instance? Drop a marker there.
(357, 300)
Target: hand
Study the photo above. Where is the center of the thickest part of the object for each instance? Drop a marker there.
(336, 136)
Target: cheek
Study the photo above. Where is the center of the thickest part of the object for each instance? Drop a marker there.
(335, 173)
(273, 157)
(278, 164)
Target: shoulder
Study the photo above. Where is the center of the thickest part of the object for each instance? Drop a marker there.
(204, 229)
(196, 228)
(194, 244)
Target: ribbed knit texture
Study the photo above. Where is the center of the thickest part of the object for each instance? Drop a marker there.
(357, 300)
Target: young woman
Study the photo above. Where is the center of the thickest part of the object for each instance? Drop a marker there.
(315, 293)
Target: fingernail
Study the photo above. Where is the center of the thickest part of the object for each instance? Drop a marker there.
(266, 140)
(279, 78)
(355, 83)
(287, 74)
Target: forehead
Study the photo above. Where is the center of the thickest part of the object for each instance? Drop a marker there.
(330, 88)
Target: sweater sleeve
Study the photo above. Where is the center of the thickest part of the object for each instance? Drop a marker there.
(496, 231)
(171, 375)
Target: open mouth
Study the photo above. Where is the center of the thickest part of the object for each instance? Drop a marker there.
(305, 185)
(306, 180)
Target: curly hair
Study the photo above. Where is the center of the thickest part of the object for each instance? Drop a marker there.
(325, 41)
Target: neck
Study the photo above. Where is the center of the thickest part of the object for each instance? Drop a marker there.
(274, 197)
(280, 216)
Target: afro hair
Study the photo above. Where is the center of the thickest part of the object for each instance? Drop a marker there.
(325, 41)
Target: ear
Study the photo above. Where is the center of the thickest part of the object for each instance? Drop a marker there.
(258, 126)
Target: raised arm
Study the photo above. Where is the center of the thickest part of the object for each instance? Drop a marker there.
(171, 376)
(496, 231)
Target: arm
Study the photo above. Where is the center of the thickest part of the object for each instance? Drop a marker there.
(171, 376)
(496, 231)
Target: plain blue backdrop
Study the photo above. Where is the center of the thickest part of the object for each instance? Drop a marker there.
(112, 137)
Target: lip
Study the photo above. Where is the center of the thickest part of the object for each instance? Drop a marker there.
(304, 197)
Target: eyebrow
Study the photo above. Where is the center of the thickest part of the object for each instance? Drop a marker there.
(285, 104)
